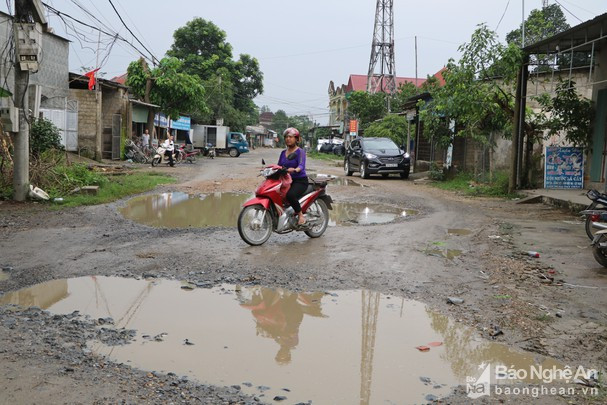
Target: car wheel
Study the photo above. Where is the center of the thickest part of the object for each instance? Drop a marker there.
(363, 170)
(404, 175)
(347, 168)
(234, 152)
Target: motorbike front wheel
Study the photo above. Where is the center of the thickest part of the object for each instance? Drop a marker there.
(600, 252)
(318, 215)
(589, 224)
(255, 225)
(156, 161)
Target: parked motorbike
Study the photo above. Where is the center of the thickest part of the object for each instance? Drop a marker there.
(266, 212)
(595, 218)
(599, 247)
(209, 151)
(188, 153)
(161, 157)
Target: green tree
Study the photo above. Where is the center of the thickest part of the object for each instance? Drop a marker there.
(541, 24)
(568, 112)
(366, 107)
(478, 104)
(391, 126)
(231, 85)
(173, 90)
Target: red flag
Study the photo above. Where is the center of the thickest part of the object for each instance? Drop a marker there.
(91, 76)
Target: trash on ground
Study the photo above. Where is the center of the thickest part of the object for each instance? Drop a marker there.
(455, 300)
(423, 348)
(435, 344)
(38, 194)
(495, 330)
(533, 253)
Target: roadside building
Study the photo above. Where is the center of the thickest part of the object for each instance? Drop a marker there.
(48, 87)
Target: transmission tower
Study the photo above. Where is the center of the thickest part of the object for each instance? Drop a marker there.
(544, 3)
(382, 51)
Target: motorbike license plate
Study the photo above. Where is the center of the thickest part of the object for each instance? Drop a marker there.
(391, 164)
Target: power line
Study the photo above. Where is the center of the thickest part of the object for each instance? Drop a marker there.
(154, 59)
(61, 14)
(503, 14)
(565, 8)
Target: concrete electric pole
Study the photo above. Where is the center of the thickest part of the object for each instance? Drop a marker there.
(27, 28)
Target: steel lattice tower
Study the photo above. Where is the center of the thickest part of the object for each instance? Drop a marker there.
(382, 51)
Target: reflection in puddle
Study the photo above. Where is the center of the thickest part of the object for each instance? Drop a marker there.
(446, 253)
(4, 275)
(459, 232)
(181, 210)
(342, 347)
(339, 181)
(365, 214)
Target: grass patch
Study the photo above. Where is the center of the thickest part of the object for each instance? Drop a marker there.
(465, 183)
(116, 188)
(313, 154)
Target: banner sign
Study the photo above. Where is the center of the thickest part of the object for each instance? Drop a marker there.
(353, 127)
(564, 167)
(160, 120)
(183, 123)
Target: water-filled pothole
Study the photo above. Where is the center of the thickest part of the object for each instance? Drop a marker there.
(366, 214)
(4, 275)
(337, 347)
(459, 231)
(182, 210)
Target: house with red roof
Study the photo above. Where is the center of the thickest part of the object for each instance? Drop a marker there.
(338, 104)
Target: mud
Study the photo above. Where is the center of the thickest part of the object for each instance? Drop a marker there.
(549, 306)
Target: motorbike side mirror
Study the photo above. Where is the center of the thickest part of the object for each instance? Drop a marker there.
(291, 156)
(263, 162)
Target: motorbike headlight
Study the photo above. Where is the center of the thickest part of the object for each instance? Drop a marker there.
(370, 156)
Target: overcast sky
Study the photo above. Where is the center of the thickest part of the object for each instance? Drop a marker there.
(302, 45)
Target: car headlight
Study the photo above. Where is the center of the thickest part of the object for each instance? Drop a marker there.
(370, 156)
(407, 156)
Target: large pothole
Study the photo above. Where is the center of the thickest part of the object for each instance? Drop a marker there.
(327, 347)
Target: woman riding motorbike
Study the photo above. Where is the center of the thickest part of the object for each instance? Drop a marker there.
(294, 159)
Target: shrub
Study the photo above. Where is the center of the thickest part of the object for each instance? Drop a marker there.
(44, 135)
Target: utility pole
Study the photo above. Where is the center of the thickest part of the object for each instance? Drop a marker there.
(382, 51)
(27, 29)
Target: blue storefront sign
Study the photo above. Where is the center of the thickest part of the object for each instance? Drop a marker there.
(564, 167)
(183, 123)
(160, 120)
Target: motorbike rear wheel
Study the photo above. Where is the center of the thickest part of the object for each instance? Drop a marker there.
(255, 224)
(318, 211)
(599, 252)
(589, 224)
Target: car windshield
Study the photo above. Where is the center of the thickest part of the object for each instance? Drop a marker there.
(380, 144)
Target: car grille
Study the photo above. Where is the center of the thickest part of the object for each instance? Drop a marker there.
(392, 159)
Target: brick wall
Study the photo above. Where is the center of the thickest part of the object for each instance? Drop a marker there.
(87, 118)
(114, 102)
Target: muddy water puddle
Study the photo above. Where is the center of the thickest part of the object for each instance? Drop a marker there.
(328, 347)
(366, 214)
(459, 231)
(182, 210)
(4, 275)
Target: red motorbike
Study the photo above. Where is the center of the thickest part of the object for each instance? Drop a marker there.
(267, 213)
